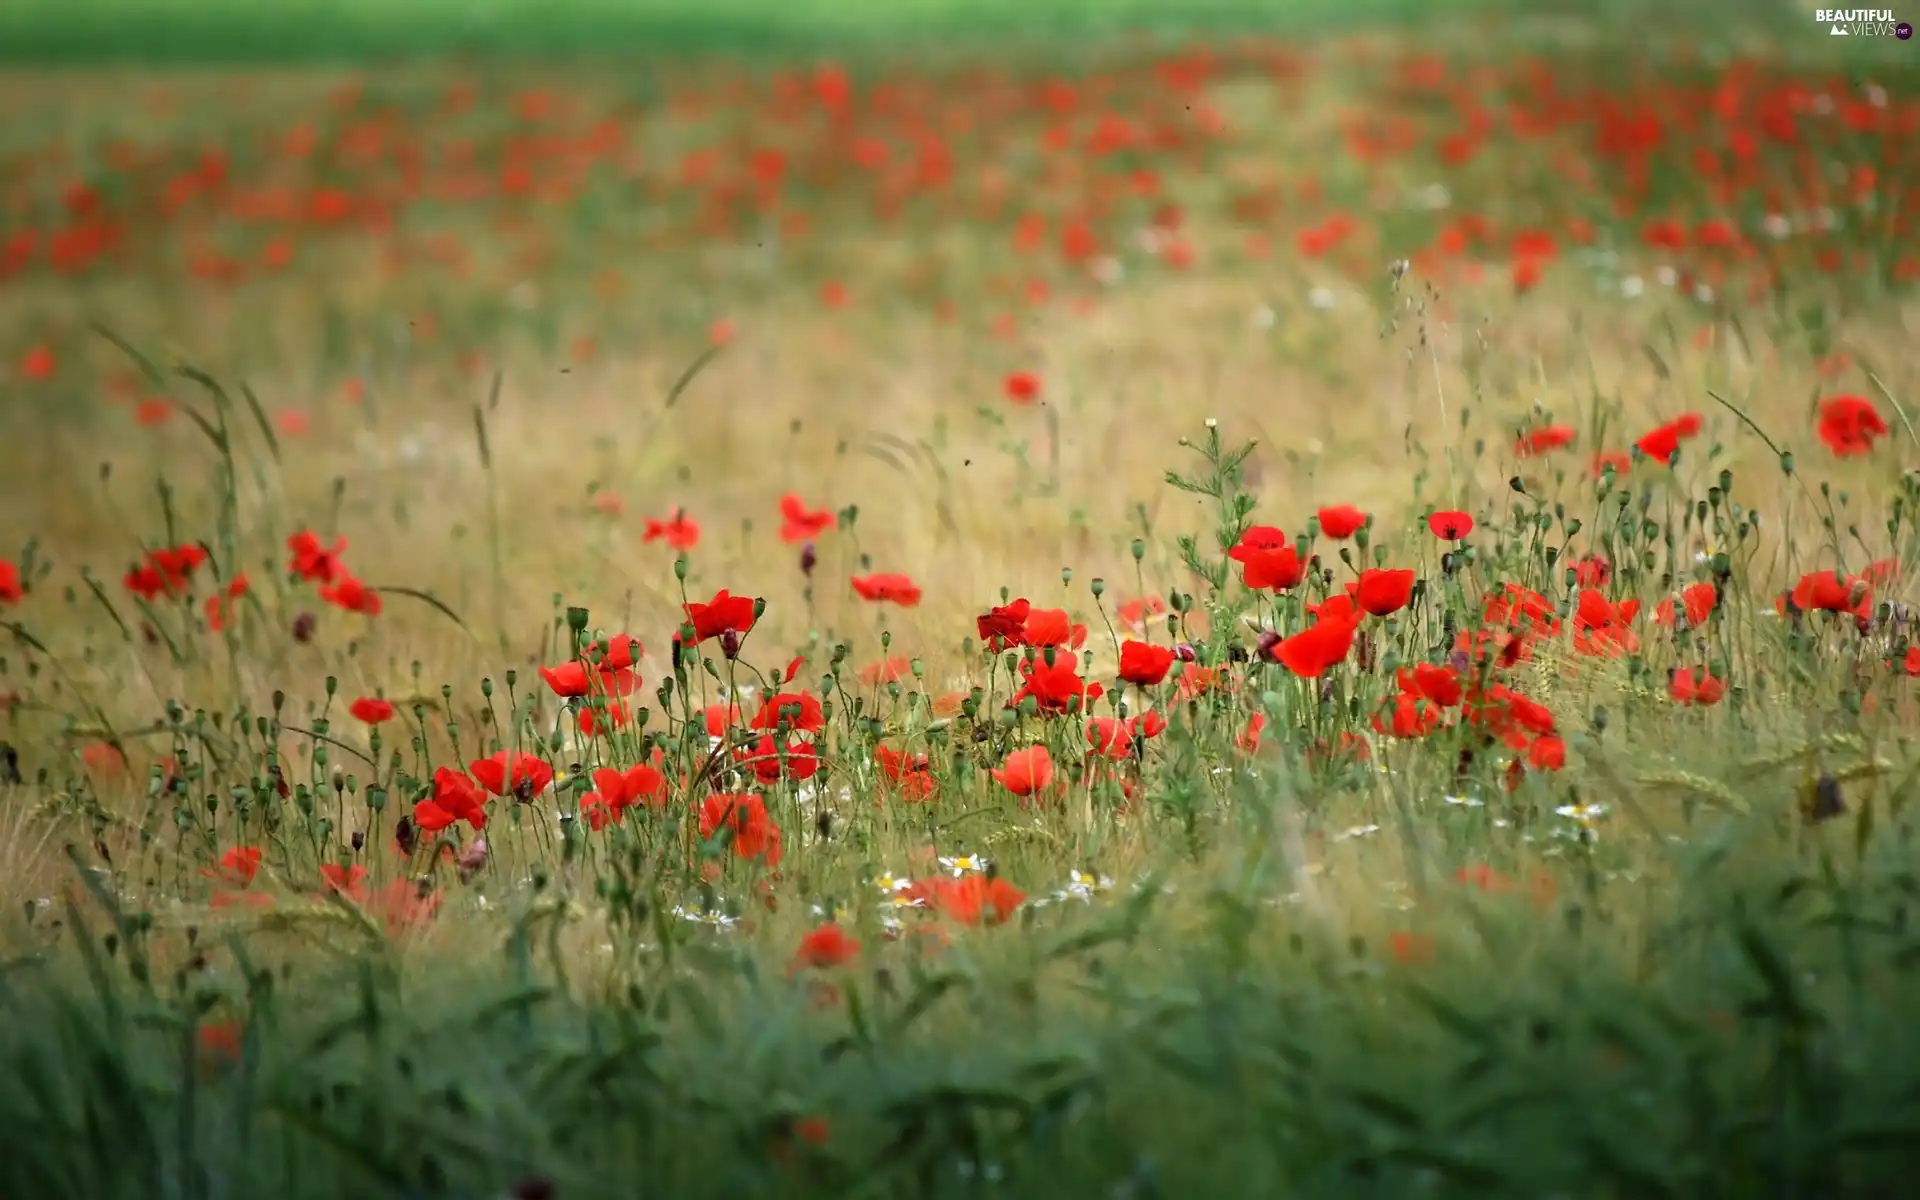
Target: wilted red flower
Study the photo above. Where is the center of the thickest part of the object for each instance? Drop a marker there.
(1849, 425)
(1341, 521)
(1450, 525)
(371, 709)
(896, 589)
(800, 525)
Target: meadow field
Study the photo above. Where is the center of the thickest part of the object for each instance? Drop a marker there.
(1116, 606)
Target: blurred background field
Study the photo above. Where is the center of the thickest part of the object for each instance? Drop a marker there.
(563, 316)
(40, 31)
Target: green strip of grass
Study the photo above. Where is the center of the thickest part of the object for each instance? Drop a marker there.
(61, 31)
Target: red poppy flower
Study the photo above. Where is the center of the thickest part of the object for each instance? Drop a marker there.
(1601, 627)
(800, 525)
(1054, 686)
(12, 591)
(1548, 753)
(1022, 387)
(771, 763)
(972, 899)
(1321, 645)
(1544, 439)
(1661, 444)
(1005, 625)
(755, 836)
(1696, 602)
(909, 774)
(314, 562)
(348, 881)
(1849, 425)
(1617, 461)
(1110, 737)
(638, 784)
(1695, 685)
(888, 588)
(1382, 592)
(1341, 521)
(1450, 525)
(1439, 684)
(1407, 716)
(722, 613)
(1267, 559)
(800, 712)
(371, 709)
(238, 866)
(679, 531)
(1025, 771)
(513, 773)
(350, 594)
(1825, 591)
(1144, 664)
(825, 946)
(38, 363)
(1052, 627)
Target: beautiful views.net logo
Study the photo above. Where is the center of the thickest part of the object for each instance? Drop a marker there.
(1863, 22)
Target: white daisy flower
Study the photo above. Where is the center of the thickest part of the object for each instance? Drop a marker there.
(960, 864)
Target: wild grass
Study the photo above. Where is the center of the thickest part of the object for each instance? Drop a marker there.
(1629, 915)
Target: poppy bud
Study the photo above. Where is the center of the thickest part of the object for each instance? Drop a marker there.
(473, 859)
(1185, 653)
(1268, 640)
(730, 643)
